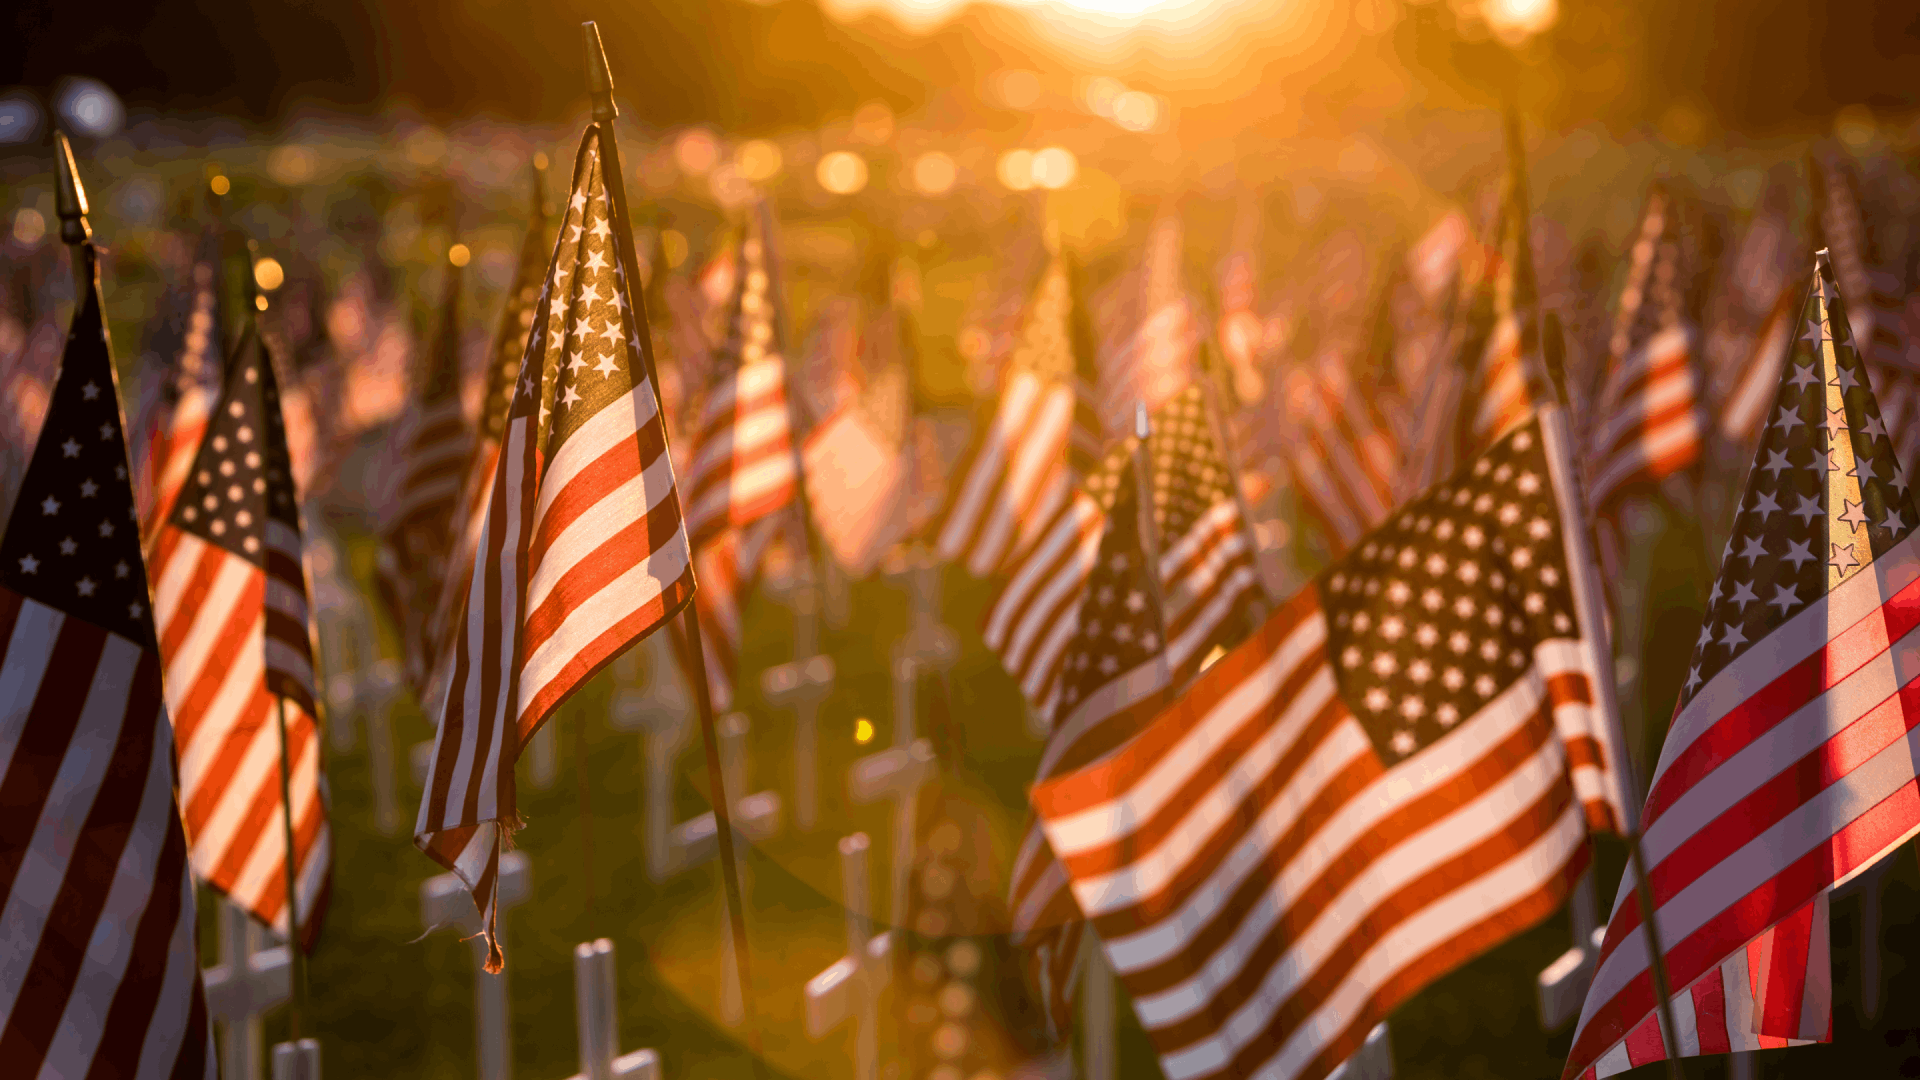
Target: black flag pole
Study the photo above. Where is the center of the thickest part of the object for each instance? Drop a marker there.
(600, 83)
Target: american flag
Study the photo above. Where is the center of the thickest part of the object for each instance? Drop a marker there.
(1343, 456)
(176, 396)
(1206, 556)
(1156, 357)
(743, 465)
(418, 538)
(1751, 317)
(1372, 790)
(728, 567)
(583, 553)
(1498, 397)
(1649, 424)
(230, 599)
(503, 368)
(1790, 764)
(1017, 476)
(1116, 674)
(102, 977)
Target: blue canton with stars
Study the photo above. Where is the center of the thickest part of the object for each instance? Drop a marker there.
(242, 475)
(73, 541)
(1438, 611)
(1781, 555)
(1120, 625)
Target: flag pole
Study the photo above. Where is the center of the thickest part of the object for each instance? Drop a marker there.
(1585, 584)
(600, 83)
(255, 305)
(1213, 366)
(783, 336)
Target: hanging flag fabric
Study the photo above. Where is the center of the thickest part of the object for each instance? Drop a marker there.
(1752, 318)
(1394, 774)
(1343, 457)
(103, 973)
(418, 538)
(584, 551)
(1155, 358)
(742, 460)
(1789, 765)
(1115, 675)
(1018, 475)
(1206, 557)
(1498, 395)
(184, 367)
(230, 600)
(1648, 425)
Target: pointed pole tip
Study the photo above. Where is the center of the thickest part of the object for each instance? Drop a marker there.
(1141, 428)
(599, 76)
(70, 195)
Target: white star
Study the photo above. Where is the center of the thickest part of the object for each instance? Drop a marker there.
(1892, 522)
(1376, 699)
(1788, 419)
(1845, 379)
(50, 506)
(1485, 686)
(106, 528)
(1742, 595)
(1808, 509)
(90, 391)
(135, 610)
(70, 448)
(1413, 708)
(1776, 461)
(1765, 504)
(88, 488)
(1899, 479)
(1836, 420)
(120, 569)
(1404, 743)
(1109, 664)
(1447, 715)
(1797, 552)
(106, 432)
(1384, 664)
(1754, 549)
(1713, 596)
(1733, 638)
(68, 547)
(1842, 558)
(575, 361)
(570, 395)
(1693, 678)
(612, 333)
(1803, 375)
(1785, 597)
(596, 261)
(1853, 515)
(1875, 427)
(29, 564)
(601, 229)
(1706, 635)
(1453, 678)
(578, 202)
(606, 366)
(85, 585)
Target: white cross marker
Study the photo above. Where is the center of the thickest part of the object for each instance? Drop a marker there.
(850, 986)
(1100, 1055)
(801, 686)
(596, 1014)
(928, 642)
(1373, 1061)
(248, 981)
(444, 899)
(896, 774)
(1562, 986)
(297, 1060)
(375, 690)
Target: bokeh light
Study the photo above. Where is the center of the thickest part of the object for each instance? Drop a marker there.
(20, 119)
(269, 274)
(459, 255)
(757, 160)
(1515, 21)
(863, 731)
(1054, 168)
(1137, 110)
(842, 172)
(90, 107)
(934, 173)
(219, 184)
(696, 152)
(28, 226)
(1016, 170)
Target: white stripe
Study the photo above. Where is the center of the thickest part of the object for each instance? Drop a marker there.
(1686, 1028)
(83, 1025)
(28, 652)
(983, 477)
(632, 501)
(76, 784)
(588, 619)
(239, 684)
(617, 422)
(1037, 448)
(203, 650)
(168, 1031)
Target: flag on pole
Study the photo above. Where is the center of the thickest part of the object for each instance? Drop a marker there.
(1790, 763)
(230, 602)
(1648, 423)
(1394, 774)
(177, 394)
(1115, 675)
(1343, 457)
(1018, 476)
(418, 538)
(1498, 397)
(1751, 318)
(103, 973)
(1156, 357)
(584, 551)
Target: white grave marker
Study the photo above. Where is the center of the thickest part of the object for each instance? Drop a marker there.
(597, 1019)
(674, 847)
(248, 981)
(801, 686)
(929, 642)
(297, 1060)
(849, 988)
(896, 774)
(444, 900)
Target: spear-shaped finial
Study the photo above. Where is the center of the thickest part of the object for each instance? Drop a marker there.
(70, 197)
(599, 78)
(1141, 428)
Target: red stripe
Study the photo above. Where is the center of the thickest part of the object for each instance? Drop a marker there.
(626, 459)
(633, 545)
(195, 707)
(1785, 986)
(1710, 1015)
